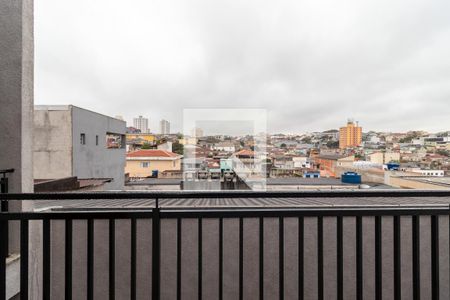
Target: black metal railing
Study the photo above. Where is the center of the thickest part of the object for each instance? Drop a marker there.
(4, 189)
(157, 215)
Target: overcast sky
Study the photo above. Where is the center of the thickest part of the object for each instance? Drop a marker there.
(311, 64)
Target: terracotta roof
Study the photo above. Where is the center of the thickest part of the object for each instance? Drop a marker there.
(152, 153)
(245, 152)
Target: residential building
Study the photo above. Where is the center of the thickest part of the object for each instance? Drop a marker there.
(327, 163)
(301, 162)
(197, 132)
(426, 172)
(141, 123)
(137, 140)
(350, 135)
(384, 157)
(247, 157)
(167, 146)
(131, 129)
(71, 141)
(150, 163)
(164, 127)
(225, 146)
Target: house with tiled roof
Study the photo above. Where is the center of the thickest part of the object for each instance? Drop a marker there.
(151, 163)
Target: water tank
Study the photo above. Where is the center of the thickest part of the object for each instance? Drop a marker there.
(351, 177)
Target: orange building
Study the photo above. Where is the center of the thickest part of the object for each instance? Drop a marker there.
(350, 136)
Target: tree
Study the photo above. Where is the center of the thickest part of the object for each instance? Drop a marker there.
(283, 145)
(178, 148)
(146, 146)
(306, 140)
(443, 152)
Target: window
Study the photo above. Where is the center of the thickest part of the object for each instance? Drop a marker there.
(145, 164)
(96, 140)
(115, 140)
(83, 139)
(173, 164)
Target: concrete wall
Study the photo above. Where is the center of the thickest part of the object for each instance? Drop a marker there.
(52, 142)
(16, 92)
(16, 119)
(96, 161)
(58, 152)
(210, 258)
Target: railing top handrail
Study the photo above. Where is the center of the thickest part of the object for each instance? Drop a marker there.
(225, 194)
(4, 171)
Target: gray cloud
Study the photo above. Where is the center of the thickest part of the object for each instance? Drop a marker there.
(311, 64)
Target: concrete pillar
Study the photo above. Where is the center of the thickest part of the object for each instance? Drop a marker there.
(16, 92)
(16, 118)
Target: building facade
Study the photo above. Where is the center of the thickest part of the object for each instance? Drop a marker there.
(350, 135)
(164, 127)
(141, 123)
(71, 141)
(150, 163)
(384, 157)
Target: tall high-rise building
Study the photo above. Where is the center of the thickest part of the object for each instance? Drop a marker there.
(164, 127)
(197, 132)
(350, 135)
(141, 123)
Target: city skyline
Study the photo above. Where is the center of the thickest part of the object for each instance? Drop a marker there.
(215, 128)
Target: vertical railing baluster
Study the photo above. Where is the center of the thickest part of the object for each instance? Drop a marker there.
(179, 258)
(301, 258)
(359, 258)
(220, 258)
(200, 252)
(3, 255)
(46, 271)
(281, 258)
(112, 259)
(435, 256)
(241, 259)
(156, 252)
(320, 258)
(90, 259)
(416, 256)
(397, 259)
(340, 259)
(378, 259)
(133, 260)
(261, 258)
(24, 228)
(68, 259)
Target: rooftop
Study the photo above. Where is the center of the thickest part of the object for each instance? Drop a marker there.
(152, 153)
(270, 202)
(330, 156)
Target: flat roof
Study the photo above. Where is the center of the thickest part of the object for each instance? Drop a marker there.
(442, 181)
(60, 107)
(270, 181)
(307, 202)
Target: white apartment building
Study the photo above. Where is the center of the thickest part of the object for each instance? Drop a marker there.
(164, 126)
(141, 123)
